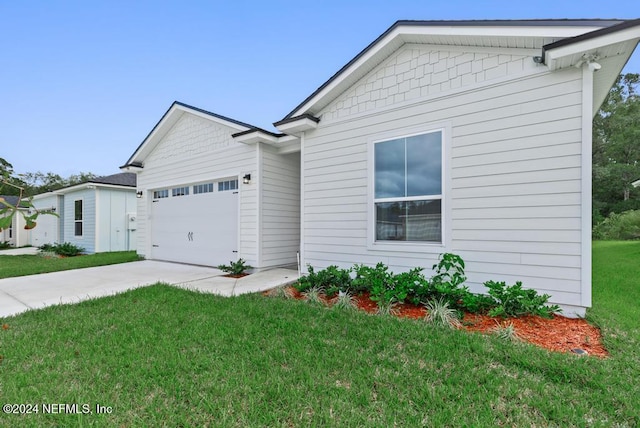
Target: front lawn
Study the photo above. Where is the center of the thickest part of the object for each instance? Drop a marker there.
(161, 356)
(11, 266)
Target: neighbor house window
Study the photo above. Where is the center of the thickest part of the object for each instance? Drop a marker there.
(78, 217)
(180, 191)
(227, 185)
(408, 188)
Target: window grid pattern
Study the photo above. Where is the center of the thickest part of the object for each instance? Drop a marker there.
(159, 194)
(180, 191)
(227, 185)
(78, 217)
(202, 188)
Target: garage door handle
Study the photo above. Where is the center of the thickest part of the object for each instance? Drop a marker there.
(155, 245)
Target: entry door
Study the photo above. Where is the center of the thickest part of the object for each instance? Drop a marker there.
(199, 229)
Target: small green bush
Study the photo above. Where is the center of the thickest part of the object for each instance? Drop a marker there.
(445, 288)
(515, 301)
(446, 284)
(440, 314)
(624, 226)
(5, 245)
(50, 248)
(238, 267)
(330, 280)
(66, 249)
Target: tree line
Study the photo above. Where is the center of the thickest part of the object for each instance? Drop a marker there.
(616, 150)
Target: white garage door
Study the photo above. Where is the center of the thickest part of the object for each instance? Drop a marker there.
(196, 224)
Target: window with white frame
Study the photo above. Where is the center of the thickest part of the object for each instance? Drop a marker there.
(202, 188)
(408, 188)
(180, 191)
(227, 185)
(78, 216)
(159, 194)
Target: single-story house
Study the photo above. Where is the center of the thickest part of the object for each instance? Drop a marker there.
(471, 137)
(208, 199)
(15, 234)
(98, 215)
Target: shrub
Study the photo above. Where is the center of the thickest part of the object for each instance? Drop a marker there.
(440, 314)
(507, 333)
(49, 248)
(5, 245)
(377, 280)
(345, 301)
(313, 295)
(514, 301)
(624, 226)
(478, 303)
(387, 307)
(411, 286)
(66, 249)
(235, 268)
(446, 284)
(330, 280)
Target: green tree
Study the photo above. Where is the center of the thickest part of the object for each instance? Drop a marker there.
(616, 149)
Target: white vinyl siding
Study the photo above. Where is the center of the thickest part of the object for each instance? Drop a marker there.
(280, 228)
(113, 232)
(88, 238)
(48, 229)
(515, 165)
(196, 150)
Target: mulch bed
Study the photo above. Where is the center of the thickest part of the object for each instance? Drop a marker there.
(558, 334)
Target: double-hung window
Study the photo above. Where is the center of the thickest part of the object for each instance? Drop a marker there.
(78, 216)
(408, 188)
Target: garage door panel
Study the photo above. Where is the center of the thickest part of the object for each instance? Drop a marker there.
(198, 229)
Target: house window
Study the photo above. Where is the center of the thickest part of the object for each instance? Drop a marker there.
(159, 194)
(227, 185)
(408, 188)
(180, 191)
(78, 217)
(202, 188)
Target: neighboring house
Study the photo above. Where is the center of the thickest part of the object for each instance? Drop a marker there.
(471, 137)
(207, 199)
(98, 215)
(48, 229)
(636, 183)
(15, 235)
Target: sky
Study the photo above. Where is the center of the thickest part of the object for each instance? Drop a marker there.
(82, 83)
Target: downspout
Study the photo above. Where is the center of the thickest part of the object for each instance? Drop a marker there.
(301, 259)
(586, 167)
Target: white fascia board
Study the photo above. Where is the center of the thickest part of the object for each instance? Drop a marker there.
(499, 31)
(257, 137)
(298, 126)
(84, 186)
(622, 36)
(131, 168)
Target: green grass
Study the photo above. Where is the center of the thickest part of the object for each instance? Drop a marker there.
(161, 356)
(11, 266)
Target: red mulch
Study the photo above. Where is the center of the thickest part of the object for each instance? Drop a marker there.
(558, 334)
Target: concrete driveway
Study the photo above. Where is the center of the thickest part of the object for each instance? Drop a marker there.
(37, 291)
